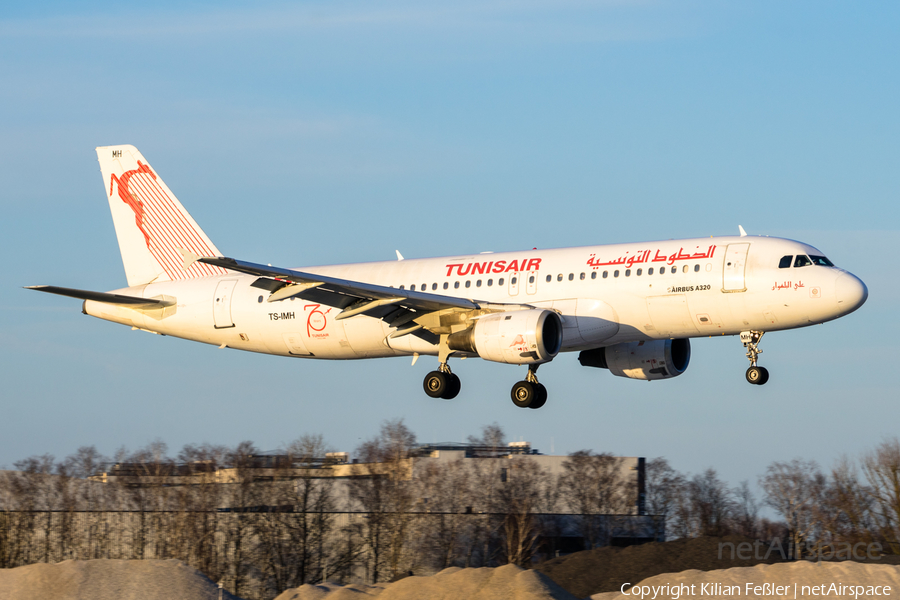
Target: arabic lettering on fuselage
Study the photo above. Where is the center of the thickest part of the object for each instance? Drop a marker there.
(643, 256)
(499, 266)
(786, 285)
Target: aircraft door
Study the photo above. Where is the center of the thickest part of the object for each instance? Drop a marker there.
(514, 283)
(733, 269)
(531, 282)
(222, 304)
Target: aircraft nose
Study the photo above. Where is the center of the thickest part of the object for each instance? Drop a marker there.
(850, 292)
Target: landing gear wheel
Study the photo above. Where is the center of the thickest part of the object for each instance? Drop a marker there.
(436, 384)
(757, 375)
(541, 396)
(453, 387)
(523, 394)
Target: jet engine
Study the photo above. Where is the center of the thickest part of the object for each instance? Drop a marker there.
(521, 337)
(656, 359)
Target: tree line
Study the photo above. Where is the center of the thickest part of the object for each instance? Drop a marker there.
(299, 525)
(856, 501)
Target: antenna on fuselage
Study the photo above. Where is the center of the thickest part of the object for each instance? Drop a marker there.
(743, 233)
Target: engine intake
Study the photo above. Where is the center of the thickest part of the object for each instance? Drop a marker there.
(520, 337)
(656, 359)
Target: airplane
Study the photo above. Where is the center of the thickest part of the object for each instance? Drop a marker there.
(629, 308)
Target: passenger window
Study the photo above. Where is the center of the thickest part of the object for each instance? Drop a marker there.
(513, 281)
(582, 276)
(605, 274)
(549, 278)
(559, 277)
(593, 274)
(531, 279)
(674, 269)
(500, 281)
(434, 286)
(468, 283)
(615, 273)
(456, 285)
(650, 271)
(412, 287)
(785, 262)
(424, 287)
(446, 285)
(696, 268)
(490, 282)
(571, 276)
(638, 272)
(684, 269)
(478, 283)
(402, 287)
(802, 261)
(627, 272)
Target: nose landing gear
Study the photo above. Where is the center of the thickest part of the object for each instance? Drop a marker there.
(529, 393)
(755, 374)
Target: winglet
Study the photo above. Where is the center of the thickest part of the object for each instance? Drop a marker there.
(399, 256)
(743, 233)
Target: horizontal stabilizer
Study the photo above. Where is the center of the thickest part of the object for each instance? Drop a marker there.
(119, 299)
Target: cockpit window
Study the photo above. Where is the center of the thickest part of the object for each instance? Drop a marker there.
(785, 262)
(802, 261)
(821, 261)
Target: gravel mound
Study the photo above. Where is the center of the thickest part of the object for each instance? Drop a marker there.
(108, 580)
(503, 583)
(800, 573)
(606, 569)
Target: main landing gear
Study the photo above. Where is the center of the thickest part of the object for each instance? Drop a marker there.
(442, 383)
(529, 393)
(755, 375)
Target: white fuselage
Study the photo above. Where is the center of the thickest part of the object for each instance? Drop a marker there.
(605, 294)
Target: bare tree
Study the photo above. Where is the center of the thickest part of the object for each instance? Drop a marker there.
(595, 488)
(746, 511)
(525, 493)
(882, 470)
(795, 489)
(663, 486)
(381, 488)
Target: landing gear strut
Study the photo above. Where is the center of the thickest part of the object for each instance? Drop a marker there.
(755, 375)
(529, 393)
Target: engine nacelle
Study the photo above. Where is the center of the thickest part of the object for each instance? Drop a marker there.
(519, 337)
(656, 359)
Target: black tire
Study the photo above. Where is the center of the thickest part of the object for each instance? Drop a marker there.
(453, 387)
(755, 375)
(435, 384)
(540, 396)
(523, 394)
(765, 376)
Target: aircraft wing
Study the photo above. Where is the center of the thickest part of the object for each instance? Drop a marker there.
(397, 307)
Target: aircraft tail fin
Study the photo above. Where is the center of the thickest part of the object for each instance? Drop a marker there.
(152, 226)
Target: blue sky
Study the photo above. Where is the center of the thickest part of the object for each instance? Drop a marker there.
(329, 132)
